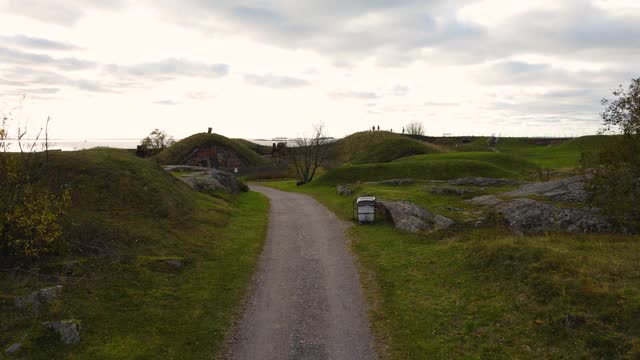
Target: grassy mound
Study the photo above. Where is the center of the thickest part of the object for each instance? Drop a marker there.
(176, 153)
(507, 162)
(376, 147)
(443, 166)
(260, 149)
(564, 154)
(128, 218)
(416, 169)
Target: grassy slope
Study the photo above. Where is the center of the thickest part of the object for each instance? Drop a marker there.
(434, 167)
(483, 293)
(376, 147)
(129, 215)
(260, 149)
(183, 148)
(564, 155)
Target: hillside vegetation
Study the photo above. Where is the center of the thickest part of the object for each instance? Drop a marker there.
(565, 154)
(433, 167)
(260, 149)
(376, 147)
(175, 154)
(129, 217)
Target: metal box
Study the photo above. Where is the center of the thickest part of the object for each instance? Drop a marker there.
(365, 207)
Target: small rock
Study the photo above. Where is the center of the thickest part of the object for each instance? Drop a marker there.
(344, 190)
(71, 267)
(486, 200)
(482, 181)
(13, 349)
(34, 300)
(176, 264)
(447, 190)
(455, 209)
(573, 321)
(69, 330)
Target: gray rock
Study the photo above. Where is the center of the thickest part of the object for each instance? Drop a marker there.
(213, 180)
(175, 263)
(410, 217)
(486, 200)
(563, 190)
(397, 182)
(69, 330)
(447, 190)
(481, 181)
(344, 190)
(530, 216)
(442, 222)
(13, 349)
(36, 299)
(455, 209)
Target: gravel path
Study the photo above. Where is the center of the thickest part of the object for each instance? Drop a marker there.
(306, 301)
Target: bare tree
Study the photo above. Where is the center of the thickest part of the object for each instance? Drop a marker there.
(309, 154)
(414, 128)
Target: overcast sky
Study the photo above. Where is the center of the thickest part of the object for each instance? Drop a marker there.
(266, 68)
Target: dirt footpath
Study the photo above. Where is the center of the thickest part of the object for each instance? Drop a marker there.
(306, 301)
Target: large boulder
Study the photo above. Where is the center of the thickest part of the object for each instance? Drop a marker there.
(38, 298)
(531, 216)
(410, 217)
(564, 190)
(213, 180)
(482, 181)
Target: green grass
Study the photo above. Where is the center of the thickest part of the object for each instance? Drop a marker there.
(566, 154)
(376, 147)
(176, 153)
(260, 149)
(508, 162)
(485, 294)
(129, 215)
(426, 169)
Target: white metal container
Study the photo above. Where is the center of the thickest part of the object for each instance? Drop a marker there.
(366, 207)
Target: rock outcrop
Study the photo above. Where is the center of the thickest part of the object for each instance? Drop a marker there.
(531, 216)
(448, 190)
(563, 190)
(206, 180)
(69, 330)
(410, 217)
(482, 181)
(38, 298)
(528, 215)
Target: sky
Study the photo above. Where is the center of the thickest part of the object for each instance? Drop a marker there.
(267, 68)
